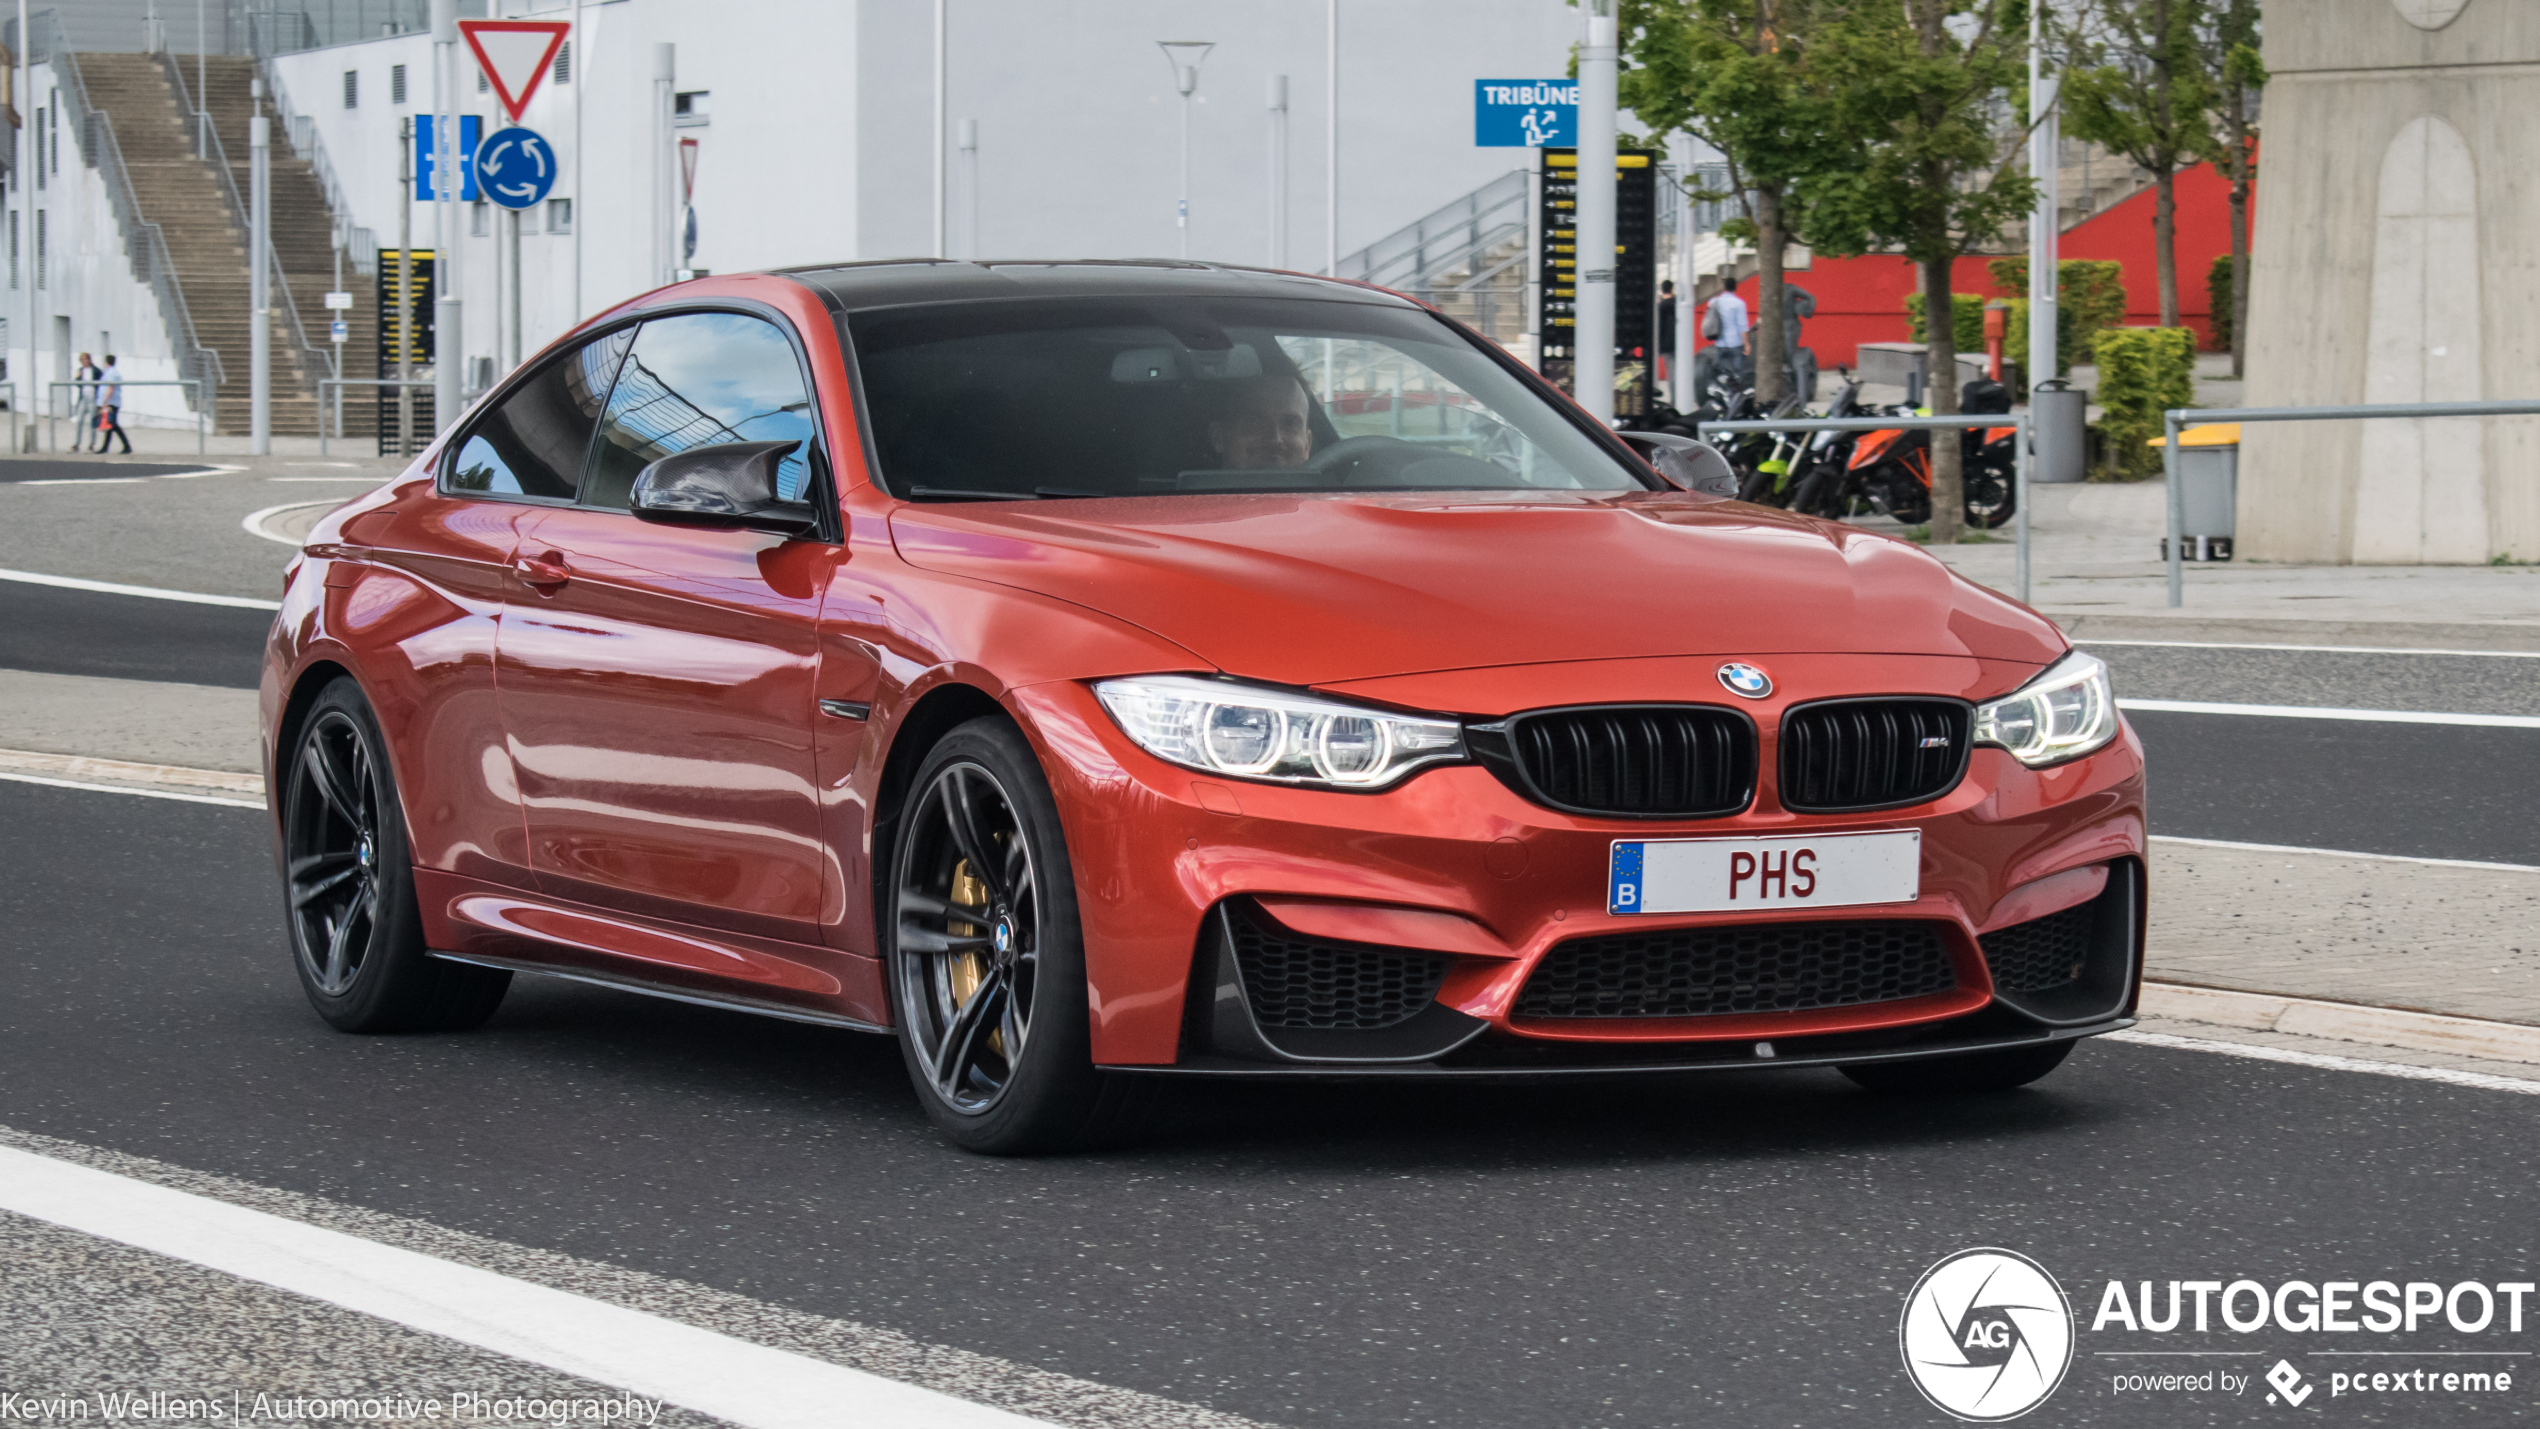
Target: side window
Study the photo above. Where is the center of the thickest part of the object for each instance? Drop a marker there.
(700, 379)
(533, 444)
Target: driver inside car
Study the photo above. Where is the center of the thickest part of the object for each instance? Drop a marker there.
(1260, 423)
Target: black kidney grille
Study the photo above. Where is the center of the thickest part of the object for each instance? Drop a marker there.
(1641, 761)
(2041, 953)
(1295, 981)
(1872, 754)
(1760, 967)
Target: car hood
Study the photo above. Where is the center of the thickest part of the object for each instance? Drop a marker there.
(1310, 590)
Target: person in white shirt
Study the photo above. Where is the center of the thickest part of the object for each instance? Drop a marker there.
(110, 408)
(1729, 313)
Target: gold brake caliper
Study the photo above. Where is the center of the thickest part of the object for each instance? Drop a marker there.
(965, 971)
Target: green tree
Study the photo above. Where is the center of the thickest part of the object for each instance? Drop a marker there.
(1734, 74)
(2139, 84)
(1917, 89)
(2231, 50)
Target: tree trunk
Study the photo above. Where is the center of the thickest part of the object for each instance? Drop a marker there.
(2165, 241)
(2240, 264)
(1772, 339)
(1940, 390)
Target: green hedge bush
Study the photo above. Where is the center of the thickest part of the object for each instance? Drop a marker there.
(2089, 298)
(1966, 311)
(2143, 372)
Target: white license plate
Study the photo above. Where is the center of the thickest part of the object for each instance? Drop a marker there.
(1732, 875)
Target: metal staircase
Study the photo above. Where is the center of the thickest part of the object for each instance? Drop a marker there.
(1468, 259)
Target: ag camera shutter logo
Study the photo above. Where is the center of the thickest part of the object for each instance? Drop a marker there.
(1987, 1335)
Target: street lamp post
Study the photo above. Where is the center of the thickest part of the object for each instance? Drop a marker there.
(1185, 56)
(1592, 349)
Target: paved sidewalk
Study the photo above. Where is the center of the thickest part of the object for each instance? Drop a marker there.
(2095, 555)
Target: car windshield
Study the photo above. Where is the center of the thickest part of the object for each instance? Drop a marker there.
(1025, 399)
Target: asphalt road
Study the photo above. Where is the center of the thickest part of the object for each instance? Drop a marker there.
(1723, 1251)
(74, 632)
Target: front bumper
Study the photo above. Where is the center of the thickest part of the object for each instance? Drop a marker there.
(1453, 861)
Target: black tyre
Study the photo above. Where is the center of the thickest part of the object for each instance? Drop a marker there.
(349, 887)
(1815, 494)
(987, 957)
(1997, 1071)
(1990, 497)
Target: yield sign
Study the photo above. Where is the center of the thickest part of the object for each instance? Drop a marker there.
(515, 55)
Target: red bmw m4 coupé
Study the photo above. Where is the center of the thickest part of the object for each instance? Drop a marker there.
(1094, 674)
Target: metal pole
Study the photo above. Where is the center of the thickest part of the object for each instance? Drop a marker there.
(449, 348)
(202, 94)
(202, 416)
(665, 207)
(403, 292)
(943, 102)
(26, 165)
(1592, 365)
(1182, 205)
(260, 280)
(1278, 171)
(579, 75)
(511, 294)
(1331, 142)
(2044, 159)
(970, 189)
(2177, 504)
(2023, 459)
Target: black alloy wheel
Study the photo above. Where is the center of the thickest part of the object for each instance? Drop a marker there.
(987, 964)
(348, 884)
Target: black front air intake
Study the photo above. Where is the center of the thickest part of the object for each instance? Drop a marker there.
(1845, 756)
(1625, 761)
(1757, 967)
(1293, 981)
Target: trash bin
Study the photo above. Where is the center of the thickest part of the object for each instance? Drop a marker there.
(2208, 491)
(2063, 435)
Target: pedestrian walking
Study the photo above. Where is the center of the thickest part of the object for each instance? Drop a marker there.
(1666, 329)
(110, 407)
(84, 401)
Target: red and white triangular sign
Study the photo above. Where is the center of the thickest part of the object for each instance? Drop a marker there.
(516, 55)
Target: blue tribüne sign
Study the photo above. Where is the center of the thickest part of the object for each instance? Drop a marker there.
(469, 127)
(516, 167)
(1525, 113)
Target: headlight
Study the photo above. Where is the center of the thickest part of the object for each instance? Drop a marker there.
(2062, 714)
(1252, 733)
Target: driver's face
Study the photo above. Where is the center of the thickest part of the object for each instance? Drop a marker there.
(1266, 431)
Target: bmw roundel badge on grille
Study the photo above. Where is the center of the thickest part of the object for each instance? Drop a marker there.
(1745, 679)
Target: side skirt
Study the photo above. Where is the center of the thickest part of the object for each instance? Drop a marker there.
(687, 995)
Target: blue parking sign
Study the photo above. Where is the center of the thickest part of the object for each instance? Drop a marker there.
(1525, 113)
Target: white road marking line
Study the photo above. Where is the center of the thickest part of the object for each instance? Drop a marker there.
(127, 789)
(86, 481)
(2347, 853)
(241, 602)
(2325, 712)
(254, 524)
(715, 1374)
(2482, 1080)
(372, 480)
(2316, 649)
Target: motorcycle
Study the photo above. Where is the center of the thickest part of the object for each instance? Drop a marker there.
(1889, 470)
(1803, 454)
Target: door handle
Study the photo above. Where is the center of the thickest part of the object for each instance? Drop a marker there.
(542, 572)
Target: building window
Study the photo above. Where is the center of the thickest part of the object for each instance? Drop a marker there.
(564, 63)
(38, 148)
(688, 111)
(56, 130)
(480, 219)
(352, 89)
(40, 226)
(559, 215)
(396, 84)
(13, 248)
(482, 83)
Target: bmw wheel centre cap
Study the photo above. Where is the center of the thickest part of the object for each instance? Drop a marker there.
(1741, 678)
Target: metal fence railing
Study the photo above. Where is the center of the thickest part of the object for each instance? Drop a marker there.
(2177, 419)
(2020, 445)
(53, 418)
(331, 402)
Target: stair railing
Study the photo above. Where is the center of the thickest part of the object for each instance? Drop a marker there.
(360, 245)
(312, 361)
(145, 243)
(1454, 237)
